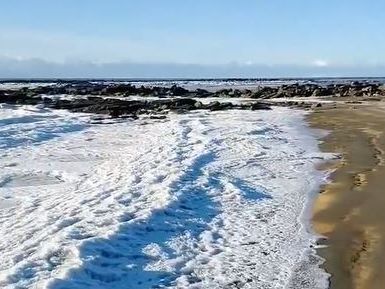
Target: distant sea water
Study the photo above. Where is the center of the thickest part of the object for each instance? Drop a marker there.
(211, 84)
(250, 83)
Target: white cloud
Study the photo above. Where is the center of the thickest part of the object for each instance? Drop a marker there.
(320, 63)
(41, 68)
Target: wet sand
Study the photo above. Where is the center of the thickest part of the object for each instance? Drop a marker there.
(350, 211)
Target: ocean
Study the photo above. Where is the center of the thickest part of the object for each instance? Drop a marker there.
(197, 200)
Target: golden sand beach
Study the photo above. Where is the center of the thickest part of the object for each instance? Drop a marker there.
(350, 211)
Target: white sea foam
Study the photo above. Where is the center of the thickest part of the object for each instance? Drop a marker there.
(199, 200)
(18, 85)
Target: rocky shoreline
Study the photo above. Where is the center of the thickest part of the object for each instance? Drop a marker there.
(123, 108)
(113, 98)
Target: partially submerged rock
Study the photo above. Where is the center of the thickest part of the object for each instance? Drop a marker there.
(113, 98)
(122, 107)
(90, 88)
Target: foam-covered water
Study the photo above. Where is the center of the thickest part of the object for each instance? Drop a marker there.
(28, 125)
(19, 85)
(199, 200)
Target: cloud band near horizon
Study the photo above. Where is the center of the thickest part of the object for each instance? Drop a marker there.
(38, 68)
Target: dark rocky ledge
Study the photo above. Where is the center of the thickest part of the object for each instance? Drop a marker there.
(121, 107)
(353, 89)
(113, 98)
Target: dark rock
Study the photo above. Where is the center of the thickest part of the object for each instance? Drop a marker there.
(259, 106)
(178, 91)
(158, 116)
(235, 93)
(322, 92)
(224, 92)
(264, 92)
(216, 105)
(202, 93)
(183, 102)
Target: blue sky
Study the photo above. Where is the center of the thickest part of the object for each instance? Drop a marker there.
(308, 37)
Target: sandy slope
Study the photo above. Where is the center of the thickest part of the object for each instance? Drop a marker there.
(351, 210)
